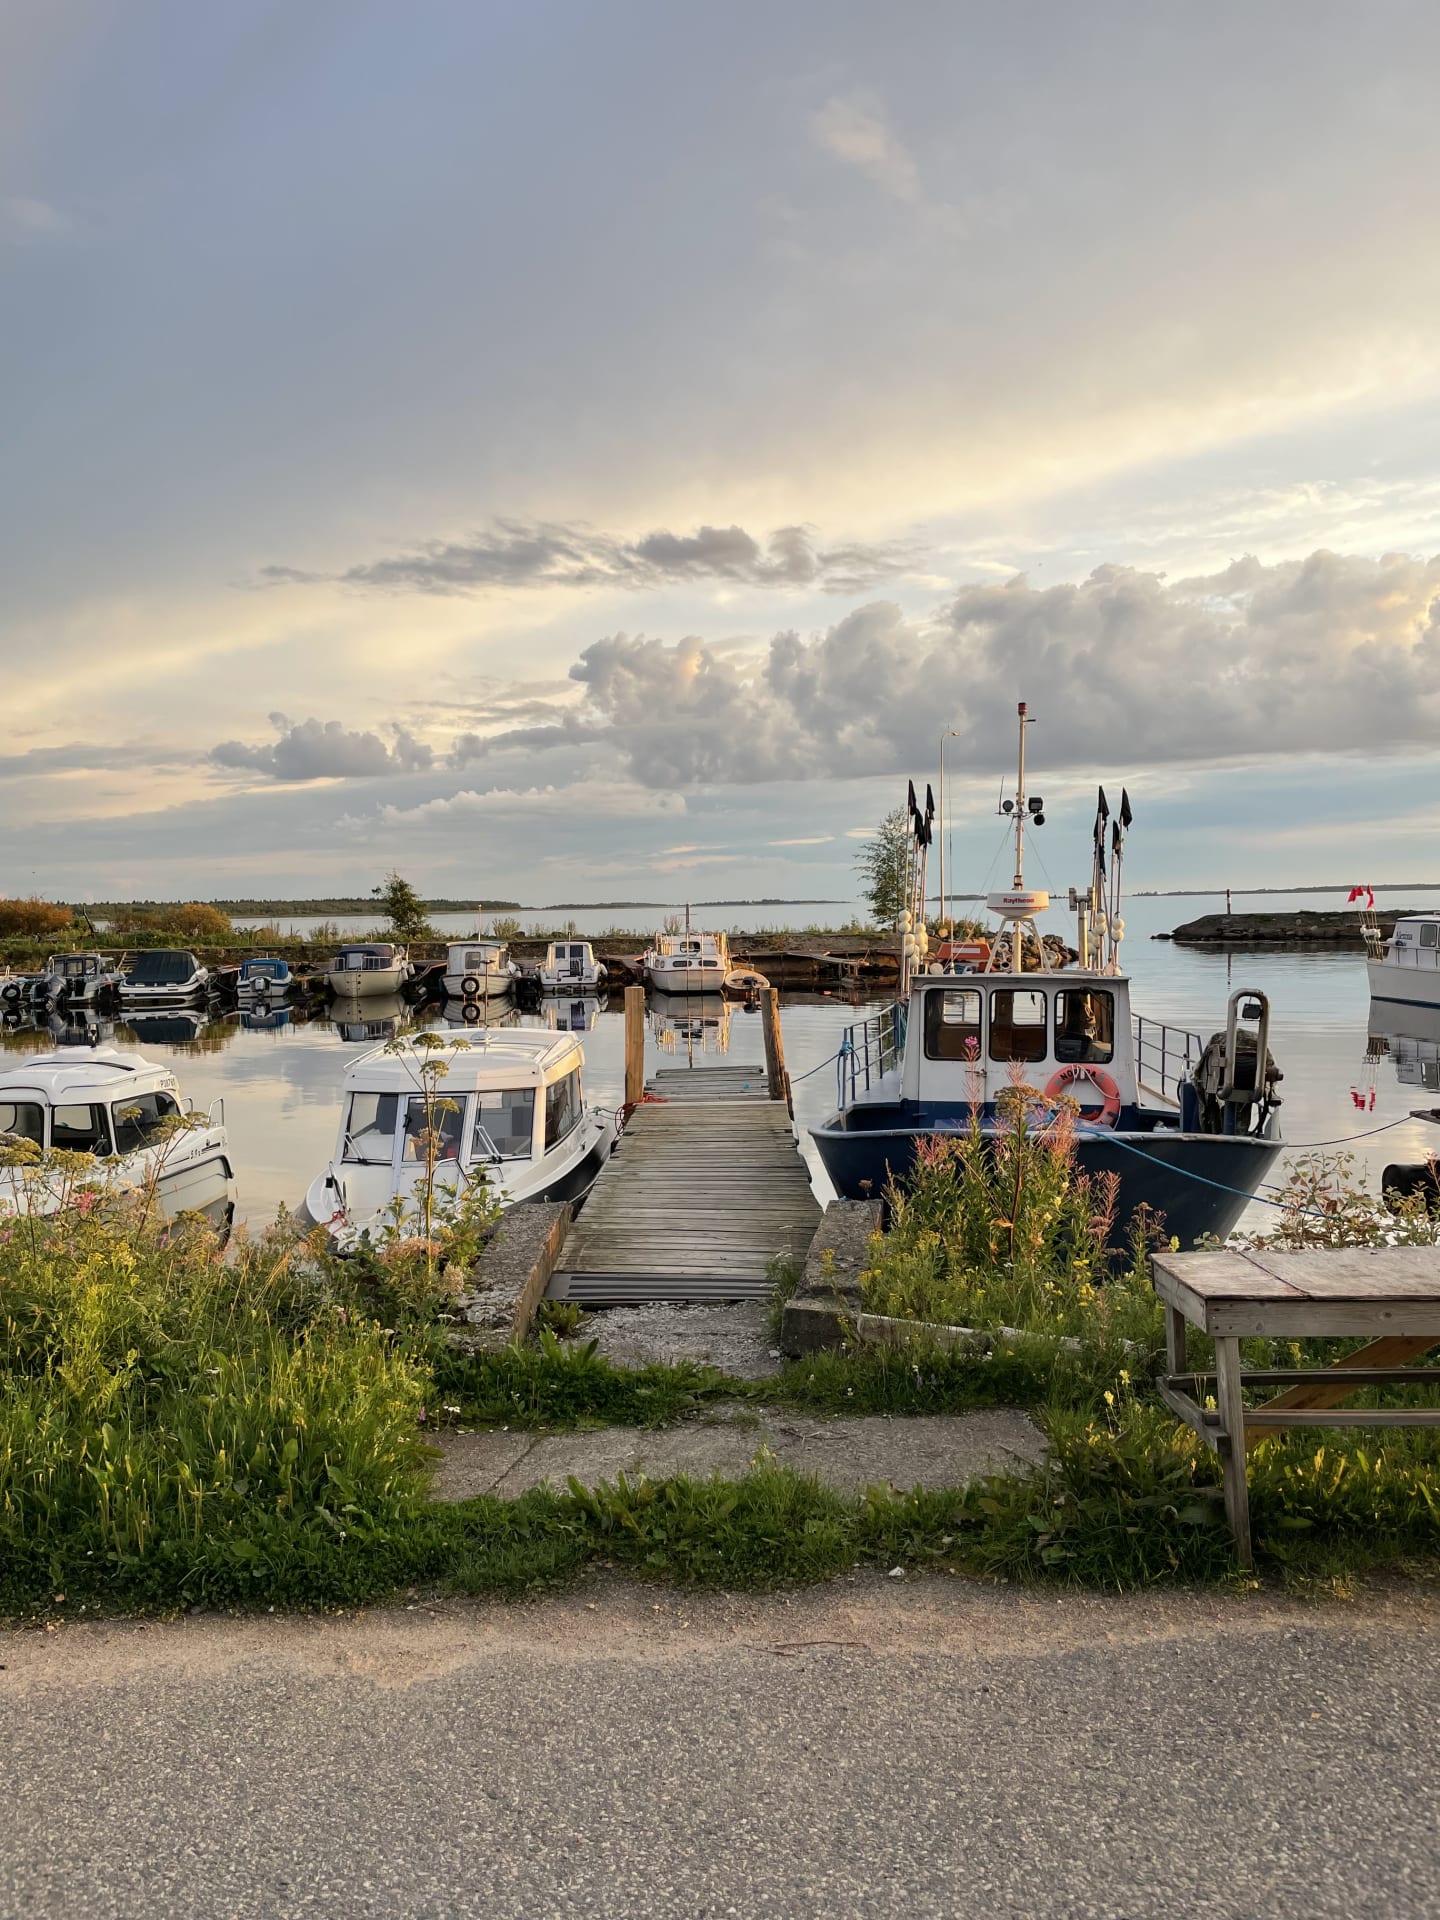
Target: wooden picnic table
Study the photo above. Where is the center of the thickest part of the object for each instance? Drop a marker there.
(1387, 1296)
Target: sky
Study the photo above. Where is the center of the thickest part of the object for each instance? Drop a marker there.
(590, 452)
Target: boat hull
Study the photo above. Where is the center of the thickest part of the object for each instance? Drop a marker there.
(1165, 1171)
(1409, 986)
(488, 986)
(367, 983)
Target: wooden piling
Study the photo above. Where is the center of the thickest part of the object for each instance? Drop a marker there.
(775, 1074)
(634, 1046)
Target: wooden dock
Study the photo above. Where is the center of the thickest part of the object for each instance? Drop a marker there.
(705, 1189)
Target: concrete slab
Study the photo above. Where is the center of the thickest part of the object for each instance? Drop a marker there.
(733, 1337)
(849, 1455)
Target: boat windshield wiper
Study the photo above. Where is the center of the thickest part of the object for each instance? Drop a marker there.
(492, 1152)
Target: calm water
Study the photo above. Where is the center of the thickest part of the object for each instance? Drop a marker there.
(1347, 1069)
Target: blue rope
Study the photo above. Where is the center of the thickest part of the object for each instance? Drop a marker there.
(1283, 1206)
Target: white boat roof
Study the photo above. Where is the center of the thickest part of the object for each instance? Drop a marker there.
(71, 1075)
(480, 1057)
(477, 942)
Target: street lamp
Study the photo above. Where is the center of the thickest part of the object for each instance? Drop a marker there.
(949, 734)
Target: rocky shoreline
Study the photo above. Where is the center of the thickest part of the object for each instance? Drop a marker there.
(1303, 928)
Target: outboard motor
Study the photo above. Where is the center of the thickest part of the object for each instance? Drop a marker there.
(1411, 1179)
(1236, 1093)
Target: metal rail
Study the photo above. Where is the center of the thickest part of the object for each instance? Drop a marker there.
(869, 1050)
(1161, 1050)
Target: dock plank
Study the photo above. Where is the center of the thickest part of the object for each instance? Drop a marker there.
(705, 1189)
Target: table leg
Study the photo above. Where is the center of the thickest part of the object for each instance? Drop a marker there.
(1175, 1339)
(1232, 1423)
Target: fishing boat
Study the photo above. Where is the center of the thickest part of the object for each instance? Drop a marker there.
(164, 977)
(1406, 967)
(1189, 1127)
(570, 966)
(509, 1111)
(263, 979)
(125, 1111)
(367, 970)
(76, 980)
(479, 969)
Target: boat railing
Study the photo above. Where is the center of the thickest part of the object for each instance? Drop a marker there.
(869, 1050)
(1164, 1054)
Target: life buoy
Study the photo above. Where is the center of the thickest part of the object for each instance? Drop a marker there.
(1104, 1115)
(10, 993)
(470, 986)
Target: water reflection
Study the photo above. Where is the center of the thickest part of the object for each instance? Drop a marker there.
(564, 1015)
(691, 1027)
(1410, 1038)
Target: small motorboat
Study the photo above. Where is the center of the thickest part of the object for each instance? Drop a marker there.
(479, 970)
(509, 1111)
(76, 980)
(262, 980)
(1406, 967)
(746, 982)
(121, 1108)
(570, 966)
(367, 969)
(164, 977)
(688, 962)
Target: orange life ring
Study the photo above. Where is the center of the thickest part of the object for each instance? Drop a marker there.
(1103, 1116)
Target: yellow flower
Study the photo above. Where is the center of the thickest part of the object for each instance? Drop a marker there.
(1109, 1398)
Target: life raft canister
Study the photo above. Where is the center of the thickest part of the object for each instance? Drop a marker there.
(1104, 1115)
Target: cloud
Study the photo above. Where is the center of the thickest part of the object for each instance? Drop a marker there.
(581, 800)
(25, 218)
(1331, 654)
(852, 128)
(325, 750)
(83, 756)
(513, 554)
(805, 840)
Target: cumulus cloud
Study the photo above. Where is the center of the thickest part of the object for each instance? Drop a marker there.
(852, 128)
(520, 554)
(325, 750)
(1332, 654)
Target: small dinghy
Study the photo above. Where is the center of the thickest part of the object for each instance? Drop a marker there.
(508, 1110)
(121, 1108)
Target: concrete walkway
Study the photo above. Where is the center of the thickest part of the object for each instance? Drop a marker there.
(848, 1455)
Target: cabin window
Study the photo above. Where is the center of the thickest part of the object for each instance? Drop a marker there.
(1429, 935)
(504, 1124)
(562, 1109)
(140, 1119)
(24, 1118)
(436, 1134)
(370, 1128)
(1017, 1024)
(952, 1024)
(80, 1129)
(1085, 1026)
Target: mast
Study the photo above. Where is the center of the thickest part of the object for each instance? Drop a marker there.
(1020, 806)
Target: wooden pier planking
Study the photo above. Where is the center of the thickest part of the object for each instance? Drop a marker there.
(705, 1189)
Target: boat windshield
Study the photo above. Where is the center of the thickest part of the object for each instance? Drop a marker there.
(1085, 1026)
(504, 1123)
(370, 1128)
(437, 1133)
(1018, 1024)
(23, 1118)
(162, 969)
(141, 1120)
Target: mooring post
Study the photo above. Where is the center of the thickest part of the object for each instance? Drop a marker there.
(634, 1046)
(775, 1074)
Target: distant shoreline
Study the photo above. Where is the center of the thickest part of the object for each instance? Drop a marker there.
(316, 908)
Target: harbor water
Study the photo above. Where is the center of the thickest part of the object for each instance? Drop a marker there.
(1350, 1069)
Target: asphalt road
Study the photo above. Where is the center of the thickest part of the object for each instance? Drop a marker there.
(877, 1748)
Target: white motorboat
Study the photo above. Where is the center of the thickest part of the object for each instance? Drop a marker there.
(367, 969)
(570, 966)
(77, 980)
(508, 1110)
(121, 1108)
(166, 976)
(479, 970)
(688, 962)
(1406, 967)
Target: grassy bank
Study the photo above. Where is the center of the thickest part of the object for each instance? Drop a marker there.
(179, 1425)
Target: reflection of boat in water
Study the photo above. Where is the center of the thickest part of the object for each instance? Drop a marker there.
(469, 1015)
(176, 1027)
(263, 1019)
(566, 1013)
(693, 1023)
(126, 1111)
(509, 1111)
(379, 1019)
(1410, 1037)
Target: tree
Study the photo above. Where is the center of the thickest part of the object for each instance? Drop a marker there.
(404, 909)
(32, 917)
(882, 863)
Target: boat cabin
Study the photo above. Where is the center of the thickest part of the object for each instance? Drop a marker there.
(102, 1102)
(78, 973)
(964, 1039)
(1415, 943)
(367, 956)
(567, 960)
(477, 957)
(264, 975)
(165, 973)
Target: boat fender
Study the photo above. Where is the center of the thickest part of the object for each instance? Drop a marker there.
(470, 986)
(1104, 1115)
(10, 994)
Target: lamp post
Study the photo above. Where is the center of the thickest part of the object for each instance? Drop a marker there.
(949, 734)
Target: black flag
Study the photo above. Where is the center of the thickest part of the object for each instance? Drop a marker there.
(1125, 814)
(1102, 814)
(929, 816)
(911, 807)
(1117, 840)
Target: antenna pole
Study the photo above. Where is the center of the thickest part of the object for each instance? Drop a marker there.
(1020, 806)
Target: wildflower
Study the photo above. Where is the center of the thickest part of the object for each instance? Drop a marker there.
(1109, 1398)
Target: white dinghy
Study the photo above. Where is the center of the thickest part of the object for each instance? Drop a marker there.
(508, 1110)
(122, 1108)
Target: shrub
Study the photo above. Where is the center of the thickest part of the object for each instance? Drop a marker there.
(32, 917)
